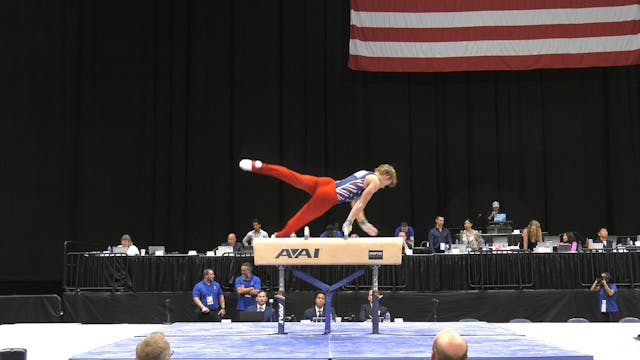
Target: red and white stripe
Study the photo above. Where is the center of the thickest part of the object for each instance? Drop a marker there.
(461, 35)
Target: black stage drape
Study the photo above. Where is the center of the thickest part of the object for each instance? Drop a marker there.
(130, 117)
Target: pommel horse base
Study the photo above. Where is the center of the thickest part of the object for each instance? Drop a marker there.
(372, 251)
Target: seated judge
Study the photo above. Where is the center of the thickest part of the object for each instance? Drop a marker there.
(531, 235)
(603, 238)
(317, 310)
(232, 241)
(127, 243)
(408, 230)
(406, 242)
(570, 239)
(261, 306)
(330, 231)
(366, 310)
(470, 237)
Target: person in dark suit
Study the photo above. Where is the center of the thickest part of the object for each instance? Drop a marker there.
(318, 309)
(261, 305)
(366, 313)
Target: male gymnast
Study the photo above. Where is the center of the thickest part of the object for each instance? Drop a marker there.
(326, 192)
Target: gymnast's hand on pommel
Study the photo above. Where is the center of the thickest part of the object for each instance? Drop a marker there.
(346, 228)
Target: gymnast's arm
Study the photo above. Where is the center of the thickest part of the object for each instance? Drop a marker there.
(357, 209)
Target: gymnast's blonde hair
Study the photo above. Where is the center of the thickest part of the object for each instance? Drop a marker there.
(388, 170)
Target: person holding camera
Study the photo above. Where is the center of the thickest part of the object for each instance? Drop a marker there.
(607, 300)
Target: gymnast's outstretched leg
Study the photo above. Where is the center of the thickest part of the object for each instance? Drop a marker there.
(322, 191)
(307, 183)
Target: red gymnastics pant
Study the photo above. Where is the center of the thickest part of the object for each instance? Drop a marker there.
(322, 191)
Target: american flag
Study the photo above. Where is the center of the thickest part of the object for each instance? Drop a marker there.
(463, 35)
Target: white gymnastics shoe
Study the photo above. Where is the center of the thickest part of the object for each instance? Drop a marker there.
(249, 165)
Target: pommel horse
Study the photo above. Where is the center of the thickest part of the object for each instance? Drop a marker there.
(371, 251)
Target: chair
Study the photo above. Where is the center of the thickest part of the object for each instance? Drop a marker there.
(629, 319)
(577, 320)
(13, 354)
(519, 320)
(469, 320)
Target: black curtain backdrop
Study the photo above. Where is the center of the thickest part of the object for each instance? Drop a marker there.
(130, 117)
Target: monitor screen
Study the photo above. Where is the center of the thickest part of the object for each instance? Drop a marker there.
(500, 217)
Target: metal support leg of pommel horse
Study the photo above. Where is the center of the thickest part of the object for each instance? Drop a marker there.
(281, 298)
(375, 319)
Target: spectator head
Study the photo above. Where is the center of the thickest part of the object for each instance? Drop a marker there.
(495, 206)
(262, 297)
(246, 270)
(154, 347)
(403, 235)
(208, 275)
(468, 225)
(126, 241)
(331, 231)
(439, 221)
(319, 299)
(255, 223)
(449, 345)
(231, 239)
(404, 226)
(603, 234)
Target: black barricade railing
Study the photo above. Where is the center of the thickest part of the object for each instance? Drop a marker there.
(440, 272)
(500, 269)
(622, 264)
(76, 274)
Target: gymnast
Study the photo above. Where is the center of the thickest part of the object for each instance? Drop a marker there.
(326, 192)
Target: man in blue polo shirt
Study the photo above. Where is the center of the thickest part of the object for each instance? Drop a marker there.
(408, 231)
(209, 298)
(607, 296)
(247, 287)
(439, 235)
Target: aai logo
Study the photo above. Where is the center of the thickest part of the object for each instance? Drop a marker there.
(299, 253)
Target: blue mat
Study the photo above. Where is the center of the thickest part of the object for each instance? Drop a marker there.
(357, 328)
(347, 341)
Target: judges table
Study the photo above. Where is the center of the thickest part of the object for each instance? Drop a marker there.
(85, 271)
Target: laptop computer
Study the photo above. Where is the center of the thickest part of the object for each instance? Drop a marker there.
(462, 248)
(119, 250)
(553, 239)
(250, 316)
(500, 217)
(563, 247)
(502, 241)
(224, 250)
(153, 249)
(596, 246)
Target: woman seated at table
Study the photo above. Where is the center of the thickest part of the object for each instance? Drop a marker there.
(569, 238)
(471, 237)
(531, 235)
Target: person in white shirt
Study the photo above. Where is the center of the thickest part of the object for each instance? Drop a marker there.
(471, 237)
(127, 243)
(256, 233)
